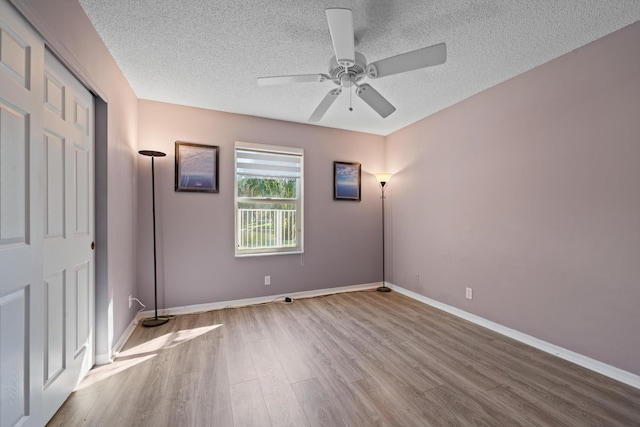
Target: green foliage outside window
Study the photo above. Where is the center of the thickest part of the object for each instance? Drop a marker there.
(274, 188)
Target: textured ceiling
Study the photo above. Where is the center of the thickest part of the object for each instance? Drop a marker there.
(208, 53)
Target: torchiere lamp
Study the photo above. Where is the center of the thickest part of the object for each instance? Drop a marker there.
(383, 178)
(154, 321)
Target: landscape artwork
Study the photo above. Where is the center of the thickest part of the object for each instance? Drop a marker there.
(196, 167)
(346, 181)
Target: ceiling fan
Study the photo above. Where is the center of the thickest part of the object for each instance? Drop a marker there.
(348, 67)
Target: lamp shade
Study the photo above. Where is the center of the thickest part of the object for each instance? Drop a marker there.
(383, 177)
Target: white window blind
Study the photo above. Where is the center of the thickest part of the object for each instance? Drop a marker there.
(268, 164)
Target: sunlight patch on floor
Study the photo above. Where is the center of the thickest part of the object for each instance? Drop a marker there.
(167, 341)
(104, 372)
(141, 353)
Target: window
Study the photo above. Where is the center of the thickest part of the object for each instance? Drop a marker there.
(268, 199)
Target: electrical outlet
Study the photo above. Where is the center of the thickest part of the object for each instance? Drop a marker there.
(267, 280)
(469, 293)
(130, 300)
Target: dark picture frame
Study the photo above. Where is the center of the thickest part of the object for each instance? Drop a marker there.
(197, 167)
(346, 181)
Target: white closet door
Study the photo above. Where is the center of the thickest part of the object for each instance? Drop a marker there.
(21, 221)
(68, 260)
(46, 227)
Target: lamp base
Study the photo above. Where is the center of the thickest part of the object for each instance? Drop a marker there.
(383, 289)
(154, 321)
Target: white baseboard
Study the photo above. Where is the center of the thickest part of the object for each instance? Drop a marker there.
(199, 308)
(579, 359)
(105, 359)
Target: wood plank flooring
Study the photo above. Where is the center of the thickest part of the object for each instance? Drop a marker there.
(351, 359)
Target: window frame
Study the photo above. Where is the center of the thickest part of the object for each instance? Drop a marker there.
(298, 201)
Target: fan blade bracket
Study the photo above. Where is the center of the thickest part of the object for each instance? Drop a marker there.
(346, 62)
(376, 101)
(372, 71)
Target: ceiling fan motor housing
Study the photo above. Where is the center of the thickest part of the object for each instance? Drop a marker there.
(343, 76)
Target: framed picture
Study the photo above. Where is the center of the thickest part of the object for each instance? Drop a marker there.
(346, 181)
(196, 167)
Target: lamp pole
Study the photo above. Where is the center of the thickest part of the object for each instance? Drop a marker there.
(383, 179)
(154, 321)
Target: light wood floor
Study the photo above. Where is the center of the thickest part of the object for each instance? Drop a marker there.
(354, 359)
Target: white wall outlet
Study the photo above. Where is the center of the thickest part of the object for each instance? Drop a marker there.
(130, 300)
(469, 293)
(267, 280)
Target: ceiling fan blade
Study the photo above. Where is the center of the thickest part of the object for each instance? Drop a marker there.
(341, 28)
(325, 104)
(300, 78)
(375, 100)
(414, 60)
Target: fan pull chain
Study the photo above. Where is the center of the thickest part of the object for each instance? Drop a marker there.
(350, 108)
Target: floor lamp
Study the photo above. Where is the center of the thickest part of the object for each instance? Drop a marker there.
(383, 179)
(154, 321)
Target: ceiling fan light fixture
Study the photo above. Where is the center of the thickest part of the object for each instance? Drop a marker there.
(348, 80)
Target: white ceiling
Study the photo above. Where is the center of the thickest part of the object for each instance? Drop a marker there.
(208, 53)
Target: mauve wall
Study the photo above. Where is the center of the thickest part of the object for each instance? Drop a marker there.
(196, 263)
(70, 34)
(529, 193)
